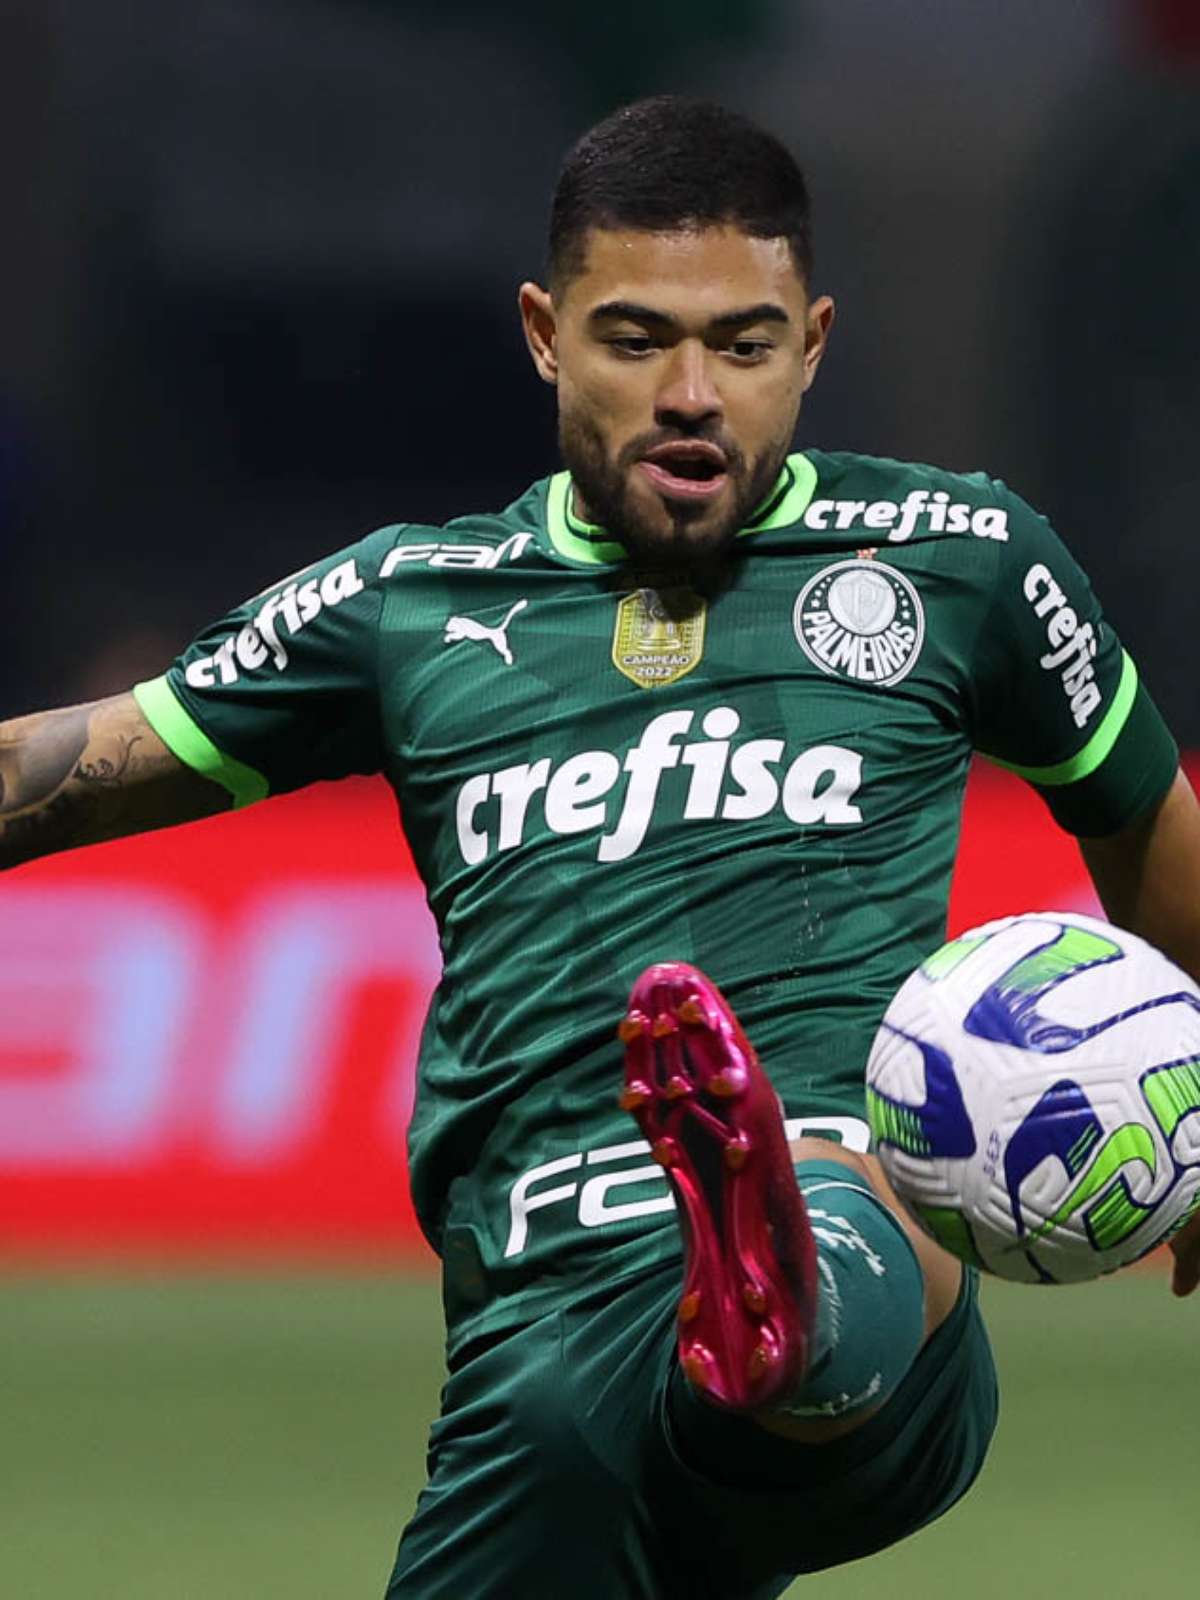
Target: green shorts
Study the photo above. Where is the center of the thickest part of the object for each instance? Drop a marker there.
(554, 1471)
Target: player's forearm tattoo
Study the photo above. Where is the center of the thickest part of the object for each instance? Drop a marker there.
(54, 788)
(90, 773)
(37, 755)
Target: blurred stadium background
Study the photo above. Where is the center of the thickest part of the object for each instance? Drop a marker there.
(257, 297)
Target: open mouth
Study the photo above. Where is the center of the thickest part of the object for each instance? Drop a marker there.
(688, 470)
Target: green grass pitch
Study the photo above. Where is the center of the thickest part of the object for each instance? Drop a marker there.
(254, 1434)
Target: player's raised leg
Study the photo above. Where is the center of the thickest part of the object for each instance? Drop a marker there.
(805, 1316)
(694, 1086)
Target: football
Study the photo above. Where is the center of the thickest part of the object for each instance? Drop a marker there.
(1034, 1096)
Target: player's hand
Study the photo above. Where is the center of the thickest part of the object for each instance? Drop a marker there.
(1185, 1247)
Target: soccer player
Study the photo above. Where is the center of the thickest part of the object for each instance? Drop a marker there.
(694, 705)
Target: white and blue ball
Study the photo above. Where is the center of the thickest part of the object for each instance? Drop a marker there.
(1034, 1095)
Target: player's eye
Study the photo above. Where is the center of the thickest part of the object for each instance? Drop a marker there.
(749, 350)
(631, 344)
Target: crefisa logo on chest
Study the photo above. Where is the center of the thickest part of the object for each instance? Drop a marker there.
(861, 620)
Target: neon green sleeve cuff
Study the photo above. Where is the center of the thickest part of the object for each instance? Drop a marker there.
(183, 738)
(1124, 769)
(1099, 746)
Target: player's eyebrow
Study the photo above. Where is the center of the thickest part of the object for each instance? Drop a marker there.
(764, 311)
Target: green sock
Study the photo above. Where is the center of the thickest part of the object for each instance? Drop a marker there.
(871, 1311)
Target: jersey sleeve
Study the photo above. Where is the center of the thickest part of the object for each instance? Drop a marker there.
(1055, 697)
(282, 691)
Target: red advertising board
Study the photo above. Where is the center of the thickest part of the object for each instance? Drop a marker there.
(207, 1036)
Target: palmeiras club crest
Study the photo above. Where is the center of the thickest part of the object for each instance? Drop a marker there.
(860, 620)
(658, 637)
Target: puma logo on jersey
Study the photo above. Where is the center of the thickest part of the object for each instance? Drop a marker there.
(468, 628)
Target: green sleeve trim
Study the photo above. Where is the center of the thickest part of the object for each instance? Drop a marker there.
(586, 541)
(1098, 748)
(195, 749)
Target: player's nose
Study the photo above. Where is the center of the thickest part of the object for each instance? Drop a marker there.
(688, 394)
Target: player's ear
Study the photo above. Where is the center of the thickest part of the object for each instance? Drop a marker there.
(541, 329)
(818, 322)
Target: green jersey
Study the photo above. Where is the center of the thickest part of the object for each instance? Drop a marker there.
(594, 776)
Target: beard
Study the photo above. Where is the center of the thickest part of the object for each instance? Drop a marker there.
(682, 543)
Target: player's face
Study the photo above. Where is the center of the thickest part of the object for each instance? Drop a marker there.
(680, 360)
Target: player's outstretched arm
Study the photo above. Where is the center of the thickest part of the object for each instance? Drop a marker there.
(1148, 880)
(1148, 876)
(89, 773)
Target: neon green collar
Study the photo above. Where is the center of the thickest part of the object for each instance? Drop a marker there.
(585, 541)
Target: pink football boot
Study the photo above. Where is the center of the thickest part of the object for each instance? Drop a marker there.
(697, 1092)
